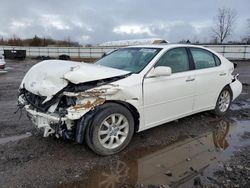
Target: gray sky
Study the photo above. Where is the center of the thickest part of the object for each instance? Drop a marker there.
(96, 21)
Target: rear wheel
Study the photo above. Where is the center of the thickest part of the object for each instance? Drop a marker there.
(111, 130)
(223, 102)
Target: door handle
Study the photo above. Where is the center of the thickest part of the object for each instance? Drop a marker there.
(223, 74)
(190, 79)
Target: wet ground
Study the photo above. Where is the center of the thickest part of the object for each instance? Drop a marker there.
(197, 151)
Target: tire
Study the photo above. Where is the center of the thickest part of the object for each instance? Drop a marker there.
(223, 102)
(111, 130)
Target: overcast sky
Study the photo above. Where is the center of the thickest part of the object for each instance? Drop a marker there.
(96, 21)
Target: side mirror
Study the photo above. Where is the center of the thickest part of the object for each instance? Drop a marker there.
(160, 71)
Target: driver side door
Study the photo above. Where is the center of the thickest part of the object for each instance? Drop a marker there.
(169, 97)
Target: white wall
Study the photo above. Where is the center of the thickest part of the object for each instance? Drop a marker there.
(229, 51)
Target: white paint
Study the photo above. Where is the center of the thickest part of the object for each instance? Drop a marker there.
(90, 72)
(48, 77)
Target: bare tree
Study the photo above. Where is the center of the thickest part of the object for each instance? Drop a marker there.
(248, 20)
(224, 23)
(246, 38)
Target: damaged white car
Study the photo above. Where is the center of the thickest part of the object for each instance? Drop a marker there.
(130, 90)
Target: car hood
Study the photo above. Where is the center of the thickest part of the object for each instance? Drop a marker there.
(49, 77)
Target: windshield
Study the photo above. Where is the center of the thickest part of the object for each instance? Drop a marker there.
(129, 59)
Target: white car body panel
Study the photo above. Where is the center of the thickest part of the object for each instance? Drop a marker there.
(208, 85)
(157, 100)
(168, 97)
(48, 77)
(236, 88)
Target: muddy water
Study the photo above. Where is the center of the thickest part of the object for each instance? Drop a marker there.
(243, 104)
(176, 165)
(14, 138)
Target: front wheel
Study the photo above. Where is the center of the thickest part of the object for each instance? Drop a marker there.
(111, 130)
(223, 102)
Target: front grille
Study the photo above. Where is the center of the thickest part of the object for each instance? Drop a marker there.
(35, 100)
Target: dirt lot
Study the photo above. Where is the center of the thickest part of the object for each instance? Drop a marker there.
(198, 151)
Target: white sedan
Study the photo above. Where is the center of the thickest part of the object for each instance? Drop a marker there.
(130, 90)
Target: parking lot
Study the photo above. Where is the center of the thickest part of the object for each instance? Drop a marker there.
(199, 150)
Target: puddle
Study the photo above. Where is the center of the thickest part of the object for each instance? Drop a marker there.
(175, 165)
(8, 68)
(3, 71)
(14, 138)
(244, 104)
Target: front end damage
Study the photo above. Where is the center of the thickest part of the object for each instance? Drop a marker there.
(59, 116)
(57, 103)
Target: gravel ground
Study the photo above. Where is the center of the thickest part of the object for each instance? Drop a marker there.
(34, 161)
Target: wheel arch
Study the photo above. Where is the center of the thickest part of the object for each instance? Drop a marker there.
(226, 86)
(230, 89)
(87, 118)
(131, 108)
(216, 109)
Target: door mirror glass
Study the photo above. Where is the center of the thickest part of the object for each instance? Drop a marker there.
(160, 71)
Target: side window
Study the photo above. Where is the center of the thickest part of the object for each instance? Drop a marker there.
(217, 60)
(202, 58)
(176, 58)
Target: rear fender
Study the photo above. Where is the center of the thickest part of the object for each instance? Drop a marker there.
(236, 87)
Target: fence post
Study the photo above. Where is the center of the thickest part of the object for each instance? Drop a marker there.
(223, 51)
(245, 53)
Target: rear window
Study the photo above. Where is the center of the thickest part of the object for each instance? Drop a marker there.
(217, 60)
(203, 58)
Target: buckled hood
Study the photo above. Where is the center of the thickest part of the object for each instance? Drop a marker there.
(49, 77)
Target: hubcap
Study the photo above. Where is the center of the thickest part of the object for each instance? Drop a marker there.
(113, 131)
(224, 101)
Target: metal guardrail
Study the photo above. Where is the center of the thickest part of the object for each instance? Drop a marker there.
(234, 52)
(76, 52)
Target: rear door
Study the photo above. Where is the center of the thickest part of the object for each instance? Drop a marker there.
(210, 78)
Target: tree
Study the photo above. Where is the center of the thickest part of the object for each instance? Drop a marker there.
(246, 38)
(224, 23)
(36, 41)
(15, 41)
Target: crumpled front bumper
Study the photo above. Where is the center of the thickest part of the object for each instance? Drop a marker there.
(42, 120)
(50, 120)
